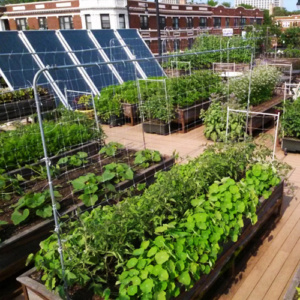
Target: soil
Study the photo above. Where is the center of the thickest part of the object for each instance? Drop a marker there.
(62, 184)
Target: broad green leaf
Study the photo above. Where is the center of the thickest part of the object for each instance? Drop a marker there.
(147, 286)
(240, 206)
(152, 251)
(17, 217)
(138, 252)
(185, 278)
(161, 257)
(132, 262)
(163, 275)
(141, 264)
(161, 295)
(82, 154)
(204, 258)
(159, 241)
(256, 170)
(145, 244)
(144, 274)
(161, 229)
(200, 217)
(132, 290)
(44, 212)
(136, 280)
(88, 200)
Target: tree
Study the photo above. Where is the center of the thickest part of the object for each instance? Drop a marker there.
(226, 4)
(247, 6)
(280, 11)
(291, 36)
(212, 2)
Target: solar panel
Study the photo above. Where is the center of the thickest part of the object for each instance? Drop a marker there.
(138, 47)
(52, 53)
(17, 65)
(114, 52)
(79, 40)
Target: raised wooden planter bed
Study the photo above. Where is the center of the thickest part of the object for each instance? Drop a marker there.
(14, 251)
(114, 121)
(290, 144)
(186, 116)
(158, 128)
(15, 110)
(131, 111)
(34, 290)
(258, 122)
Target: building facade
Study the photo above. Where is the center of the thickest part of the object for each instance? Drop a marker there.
(288, 21)
(179, 23)
(261, 4)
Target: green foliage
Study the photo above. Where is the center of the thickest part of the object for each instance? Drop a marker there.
(290, 120)
(75, 160)
(247, 6)
(215, 119)
(34, 203)
(111, 149)
(291, 36)
(107, 105)
(1, 224)
(9, 185)
(143, 158)
(85, 100)
(99, 242)
(226, 4)
(292, 53)
(189, 247)
(212, 2)
(263, 82)
(188, 90)
(19, 95)
(24, 145)
(93, 186)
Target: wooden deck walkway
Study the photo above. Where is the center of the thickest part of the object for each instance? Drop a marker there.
(268, 273)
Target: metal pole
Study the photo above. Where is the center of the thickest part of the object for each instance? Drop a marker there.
(291, 74)
(158, 28)
(47, 162)
(227, 123)
(142, 113)
(276, 133)
(249, 92)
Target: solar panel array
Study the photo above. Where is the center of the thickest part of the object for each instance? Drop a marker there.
(22, 54)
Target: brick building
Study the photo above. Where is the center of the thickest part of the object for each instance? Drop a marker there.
(179, 23)
(288, 21)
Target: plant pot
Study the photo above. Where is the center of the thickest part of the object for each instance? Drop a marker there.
(90, 113)
(12, 260)
(186, 116)
(157, 128)
(32, 288)
(290, 144)
(15, 110)
(131, 111)
(114, 121)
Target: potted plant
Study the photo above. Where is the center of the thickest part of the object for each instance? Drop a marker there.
(290, 126)
(83, 105)
(108, 107)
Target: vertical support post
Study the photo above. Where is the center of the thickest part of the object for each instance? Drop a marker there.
(95, 113)
(47, 162)
(142, 113)
(227, 123)
(291, 74)
(158, 28)
(168, 107)
(249, 92)
(276, 134)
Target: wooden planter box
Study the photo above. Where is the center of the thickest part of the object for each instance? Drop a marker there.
(15, 110)
(152, 127)
(14, 251)
(114, 121)
(191, 114)
(290, 144)
(131, 111)
(258, 122)
(33, 290)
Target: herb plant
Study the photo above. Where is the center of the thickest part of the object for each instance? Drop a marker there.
(75, 160)
(111, 149)
(290, 120)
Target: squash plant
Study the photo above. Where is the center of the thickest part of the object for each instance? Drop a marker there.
(111, 149)
(144, 157)
(34, 203)
(75, 160)
(215, 119)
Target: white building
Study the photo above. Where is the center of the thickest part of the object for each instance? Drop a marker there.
(261, 4)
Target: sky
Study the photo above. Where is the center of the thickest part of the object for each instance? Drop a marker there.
(288, 4)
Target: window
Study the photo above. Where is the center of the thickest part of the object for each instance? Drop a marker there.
(148, 42)
(243, 21)
(43, 23)
(105, 22)
(177, 45)
(202, 22)
(190, 43)
(189, 22)
(252, 21)
(66, 22)
(88, 22)
(144, 22)
(227, 22)
(175, 23)
(217, 22)
(122, 24)
(162, 22)
(259, 21)
(21, 24)
(236, 22)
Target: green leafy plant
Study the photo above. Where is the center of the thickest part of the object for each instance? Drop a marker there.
(9, 185)
(75, 160)
(34, 203)
(19, 95)
(85, 100)
(215, 119)
(111, 149)
(1, 224)
(143, 158)
(290, 120)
